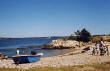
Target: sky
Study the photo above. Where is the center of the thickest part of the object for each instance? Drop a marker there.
(39, 18)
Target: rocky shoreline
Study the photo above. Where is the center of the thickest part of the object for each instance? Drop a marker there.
(79, 56)
(69, 59)
(61, 44)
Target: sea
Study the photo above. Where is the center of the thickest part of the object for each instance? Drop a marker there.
(9, 46)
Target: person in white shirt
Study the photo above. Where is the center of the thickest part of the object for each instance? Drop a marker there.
(17, 52)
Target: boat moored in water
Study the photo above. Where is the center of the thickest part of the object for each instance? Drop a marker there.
(21, 59)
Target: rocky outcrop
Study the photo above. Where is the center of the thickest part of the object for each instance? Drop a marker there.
(61, 44)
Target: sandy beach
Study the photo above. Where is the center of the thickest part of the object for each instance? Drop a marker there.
(68, 59)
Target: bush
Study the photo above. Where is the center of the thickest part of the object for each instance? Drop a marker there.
(72, 37)
(83, 35)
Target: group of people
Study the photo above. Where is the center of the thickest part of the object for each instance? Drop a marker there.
(100, 49)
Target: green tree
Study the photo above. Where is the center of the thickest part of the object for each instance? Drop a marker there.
(83, 35)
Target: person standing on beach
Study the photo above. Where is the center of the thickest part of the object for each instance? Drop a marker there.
(17, 52)
(97, 48)
(101, 47)
(107, 50)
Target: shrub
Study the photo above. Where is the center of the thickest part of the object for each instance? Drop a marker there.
(72, 37)
(81, 36)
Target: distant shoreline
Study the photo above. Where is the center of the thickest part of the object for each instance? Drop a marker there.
(31, 37)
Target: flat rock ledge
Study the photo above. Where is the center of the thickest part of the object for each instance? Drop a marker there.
(61, 44)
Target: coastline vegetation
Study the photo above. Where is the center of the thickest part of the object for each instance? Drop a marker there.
(77, 39)
(81, 36)
(86, 36)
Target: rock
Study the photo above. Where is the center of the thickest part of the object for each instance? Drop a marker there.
(61, 44)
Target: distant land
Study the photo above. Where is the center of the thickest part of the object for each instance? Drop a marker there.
(45, 37)
(32, 37)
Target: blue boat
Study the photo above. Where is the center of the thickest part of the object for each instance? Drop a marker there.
(21, 59)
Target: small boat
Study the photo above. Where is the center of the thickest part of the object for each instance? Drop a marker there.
(21, 59)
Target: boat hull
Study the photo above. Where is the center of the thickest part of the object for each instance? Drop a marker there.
(25, 59)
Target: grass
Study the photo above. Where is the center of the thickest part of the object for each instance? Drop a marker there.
(92, 67)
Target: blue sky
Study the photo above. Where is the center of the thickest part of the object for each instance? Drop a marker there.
(36, 18)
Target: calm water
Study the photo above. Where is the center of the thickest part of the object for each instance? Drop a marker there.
(9, 46)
